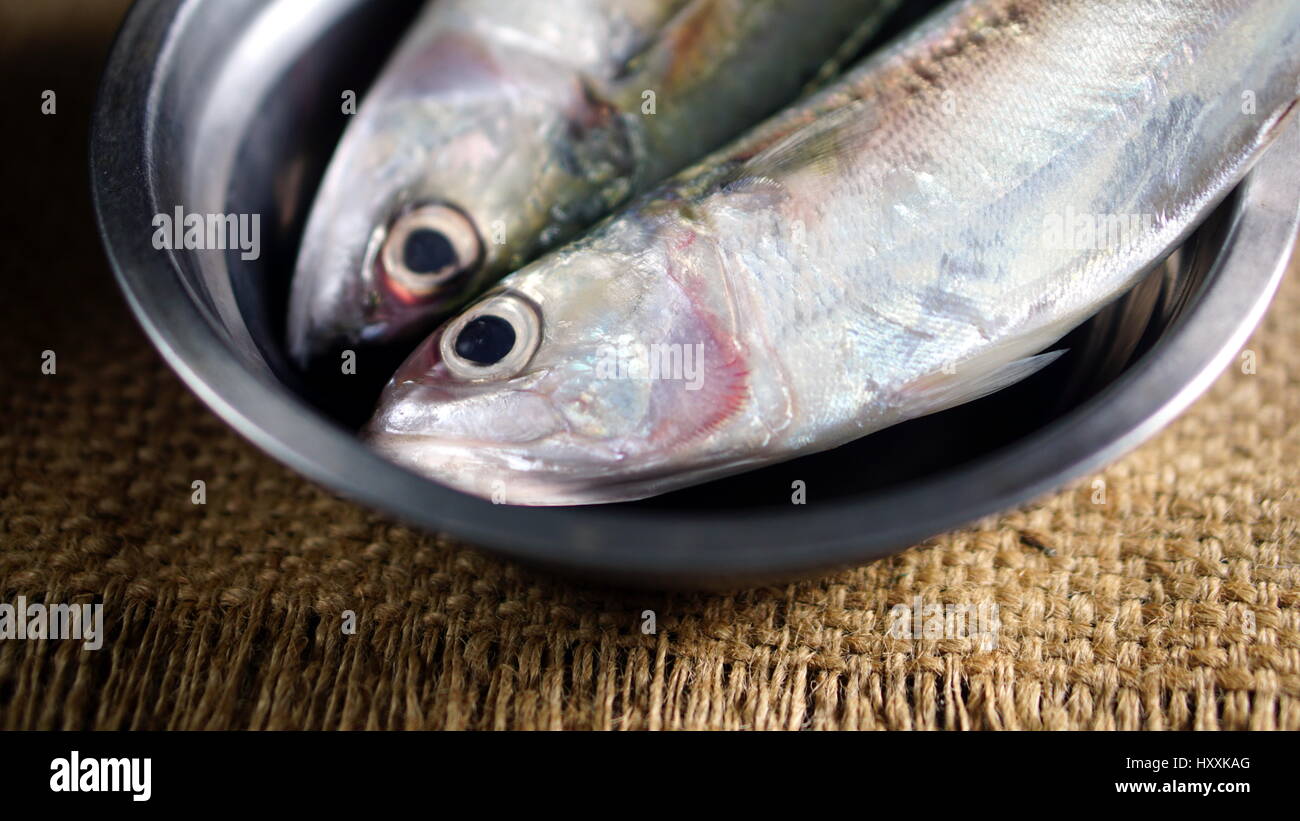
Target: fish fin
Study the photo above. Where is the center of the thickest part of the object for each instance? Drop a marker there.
(969, 381)
(821, 147)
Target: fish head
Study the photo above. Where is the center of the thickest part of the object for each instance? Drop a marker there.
(448, 179)
(583, 379)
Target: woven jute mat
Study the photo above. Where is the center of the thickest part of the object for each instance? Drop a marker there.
(1174, 603)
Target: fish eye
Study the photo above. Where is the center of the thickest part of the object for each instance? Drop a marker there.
(494, 339)
(428, 247)
(485, 340)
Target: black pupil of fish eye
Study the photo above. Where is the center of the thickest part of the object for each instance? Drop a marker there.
(485, 340)
(427, 251)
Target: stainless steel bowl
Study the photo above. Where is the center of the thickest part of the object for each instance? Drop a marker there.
(233, 106)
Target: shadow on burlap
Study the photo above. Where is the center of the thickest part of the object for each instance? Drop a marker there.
(1172, 605)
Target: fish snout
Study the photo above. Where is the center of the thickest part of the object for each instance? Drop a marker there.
(492, 445)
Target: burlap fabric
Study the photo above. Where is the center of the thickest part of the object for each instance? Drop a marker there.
(1175, 604)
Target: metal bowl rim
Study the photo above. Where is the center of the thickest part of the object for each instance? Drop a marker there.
(629, 542)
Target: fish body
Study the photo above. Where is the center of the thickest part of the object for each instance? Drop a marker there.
(502, 127)
(909, 239)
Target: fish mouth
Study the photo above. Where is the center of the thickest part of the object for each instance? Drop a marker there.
(488, 471)
(526, 456)
(570, 472)
(505, 477)
(460, 465)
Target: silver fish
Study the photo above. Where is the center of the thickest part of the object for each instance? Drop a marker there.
(501, 127)
(910, 239)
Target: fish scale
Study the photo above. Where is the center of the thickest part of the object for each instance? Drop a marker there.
(940, 192)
